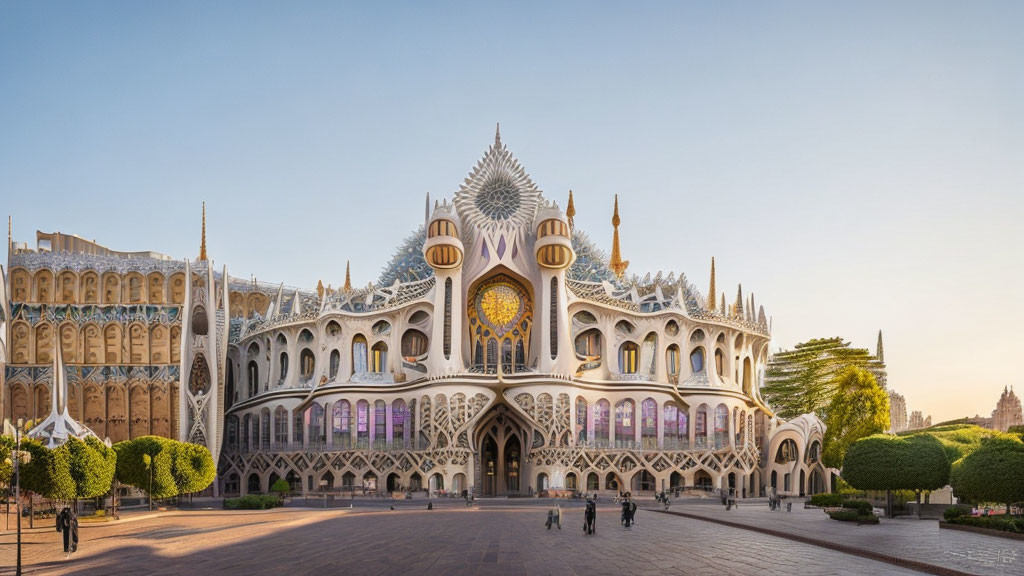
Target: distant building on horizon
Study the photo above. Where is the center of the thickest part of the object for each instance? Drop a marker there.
(918, 421)
(1008, 411)
(897, 412)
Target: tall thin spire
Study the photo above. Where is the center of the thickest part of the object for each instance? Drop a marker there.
(880, 351)
(570, 211)
(9, 239)
(711, 290)
(738, 306)
(202, 243)
(348, 278)
(497, 135)
(617, 264)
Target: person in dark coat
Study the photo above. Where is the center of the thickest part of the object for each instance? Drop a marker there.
(67, 523)
(627, 517)
(590, 517)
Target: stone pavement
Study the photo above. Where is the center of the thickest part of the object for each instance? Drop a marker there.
(903, 537)
(492, 540)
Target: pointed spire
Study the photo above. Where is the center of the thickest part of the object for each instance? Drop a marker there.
(738, 306)
(497, 135)
(570, 211)
(348, 278)
(711, 290)
(202, 243)
(880, 351)
(426, 214)
(617, 264)
(722, 303)
(320, 290)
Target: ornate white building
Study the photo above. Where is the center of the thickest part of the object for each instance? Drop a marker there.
(499, 352)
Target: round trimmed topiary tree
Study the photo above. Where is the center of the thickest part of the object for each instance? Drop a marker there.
(992, 473)
(884, 462)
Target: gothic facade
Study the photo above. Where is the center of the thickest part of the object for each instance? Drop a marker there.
(500, 352)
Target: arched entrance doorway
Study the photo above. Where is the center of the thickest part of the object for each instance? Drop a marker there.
(501, 452)
(817, 482)
(702, 480)
(542, 482)
(393, 482)
(643, 481)
(803, 476)
(415, 482)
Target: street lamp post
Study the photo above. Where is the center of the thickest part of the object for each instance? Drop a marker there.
(17, 486)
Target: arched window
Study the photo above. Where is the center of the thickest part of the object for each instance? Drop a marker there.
(380, 420)
(280, 427)
(297, 427)
(648, 354)
(581, 420)
(814, 453)
(341, 425)
(399, 432)
(649, 424)
(719, 361)
(307, 362)
(362, 425)
(246, 431)
(500, 315)
(265, 429)
(414, 346)
(359, 365)
(629, 358)
(721, 426)
(602, 414)
(697, 360)
(317, 431)
(254, 378)
(379, 358)
(588, 345)
(700, 429)
(625, 417)
(672, 362)
(787, 452)
(335, 363)
(593, 482)
(200, 323)
(283, 362)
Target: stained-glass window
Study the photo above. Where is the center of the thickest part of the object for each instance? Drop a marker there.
(624, 416)
(721, 426)
(498, 198)
(340, 425)
(602, 414)
(554, 318)
(649, 423)
(447, 318)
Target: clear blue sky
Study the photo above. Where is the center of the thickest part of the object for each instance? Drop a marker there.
(857, 165)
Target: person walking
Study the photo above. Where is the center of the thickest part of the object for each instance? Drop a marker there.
(67, 523)
(590, 517)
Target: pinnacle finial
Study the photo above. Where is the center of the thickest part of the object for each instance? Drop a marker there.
(570, 210)
(617, 264)
(320, 289)
(880, 352)
(348, 278)
(497, 135)
(202, 243)
(711, 290)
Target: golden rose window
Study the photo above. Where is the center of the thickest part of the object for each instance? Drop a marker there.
(500, 320)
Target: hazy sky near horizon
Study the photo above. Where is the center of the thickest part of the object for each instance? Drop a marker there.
(858, 166)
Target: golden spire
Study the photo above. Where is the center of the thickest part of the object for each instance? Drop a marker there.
(202, 244)
(348, 278)
(711, 291)
(617, 264)
(320, 289)
(570, 211)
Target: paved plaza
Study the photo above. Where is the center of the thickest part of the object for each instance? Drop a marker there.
(447, 540)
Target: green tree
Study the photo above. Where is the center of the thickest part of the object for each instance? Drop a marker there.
(883, 462)
(859, 408)
(193, 468)
(6, 460)
(73, 470)
(162, 467)
(281, 486)
(992, 473)
(804, 380)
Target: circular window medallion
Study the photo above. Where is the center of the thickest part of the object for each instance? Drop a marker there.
(498, 199)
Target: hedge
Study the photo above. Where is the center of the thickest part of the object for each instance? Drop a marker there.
(861, 507)
(1002, 523)
(853, 516)
(885, 462)
(826, 500)
(992, 473)
(253, 502)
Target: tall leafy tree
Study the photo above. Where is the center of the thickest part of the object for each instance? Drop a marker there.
(162, 467)
(859, 408)
(73, 470)
(804, 380)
